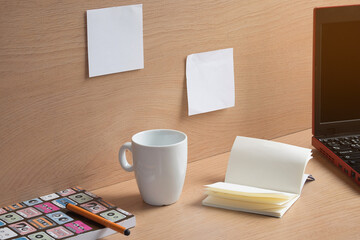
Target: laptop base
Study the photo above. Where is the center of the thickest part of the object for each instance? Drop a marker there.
(336, 160)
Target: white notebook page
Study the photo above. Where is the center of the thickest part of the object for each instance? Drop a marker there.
(267, 164)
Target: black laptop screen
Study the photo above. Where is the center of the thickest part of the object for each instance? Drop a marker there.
(340, 71)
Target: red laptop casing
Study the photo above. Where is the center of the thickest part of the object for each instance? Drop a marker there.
(337, 161)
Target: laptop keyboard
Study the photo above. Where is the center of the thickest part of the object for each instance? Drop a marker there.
(347, 148)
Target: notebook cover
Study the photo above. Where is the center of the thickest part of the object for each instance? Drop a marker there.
(46, 218)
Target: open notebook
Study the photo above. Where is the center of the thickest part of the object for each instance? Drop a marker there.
(46, 218)
(262, 177)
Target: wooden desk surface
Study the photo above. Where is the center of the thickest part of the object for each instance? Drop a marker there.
(328, 208)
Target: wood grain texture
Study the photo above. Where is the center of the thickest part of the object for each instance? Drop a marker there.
(60, 128)
(327, 209)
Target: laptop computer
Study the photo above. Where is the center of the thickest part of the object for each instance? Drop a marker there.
(336, 87)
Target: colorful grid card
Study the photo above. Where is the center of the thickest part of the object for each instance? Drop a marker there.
(28, 212)
(62, 202)
(22, 228)
(6, 233)
(59, 232)
(15, 206)
(42, 222)
(94, 207)
(80, 198)
(40, 236)
(46, 218)
(49, 197)
(33, 202)
(113, 215)
(66, 192)
(78, 227)
(47, 207)
(10, 217)
(59, 217)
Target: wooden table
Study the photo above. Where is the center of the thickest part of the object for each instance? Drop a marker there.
(329, 208)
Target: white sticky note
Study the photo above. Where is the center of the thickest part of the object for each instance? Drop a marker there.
(210, 81)
(115, 39)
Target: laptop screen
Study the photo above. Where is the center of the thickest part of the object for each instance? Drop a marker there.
(336, 70)
(340, 71)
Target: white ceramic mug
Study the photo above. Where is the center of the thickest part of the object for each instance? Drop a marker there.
(159, 163)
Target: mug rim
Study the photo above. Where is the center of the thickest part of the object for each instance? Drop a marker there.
(159, 130)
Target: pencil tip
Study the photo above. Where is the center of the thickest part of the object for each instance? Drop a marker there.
(127, 232)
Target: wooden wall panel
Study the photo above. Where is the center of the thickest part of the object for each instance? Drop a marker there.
(60, 128)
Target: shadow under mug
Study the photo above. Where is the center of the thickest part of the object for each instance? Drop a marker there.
(159, 163)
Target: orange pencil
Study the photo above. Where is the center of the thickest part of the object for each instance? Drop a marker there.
(98, 219)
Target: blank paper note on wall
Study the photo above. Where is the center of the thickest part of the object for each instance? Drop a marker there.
(115, 39)
(210, 81)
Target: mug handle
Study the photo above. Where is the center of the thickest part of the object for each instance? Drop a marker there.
(122, 157)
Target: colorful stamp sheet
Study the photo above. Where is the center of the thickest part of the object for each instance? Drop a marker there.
(46, 218)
